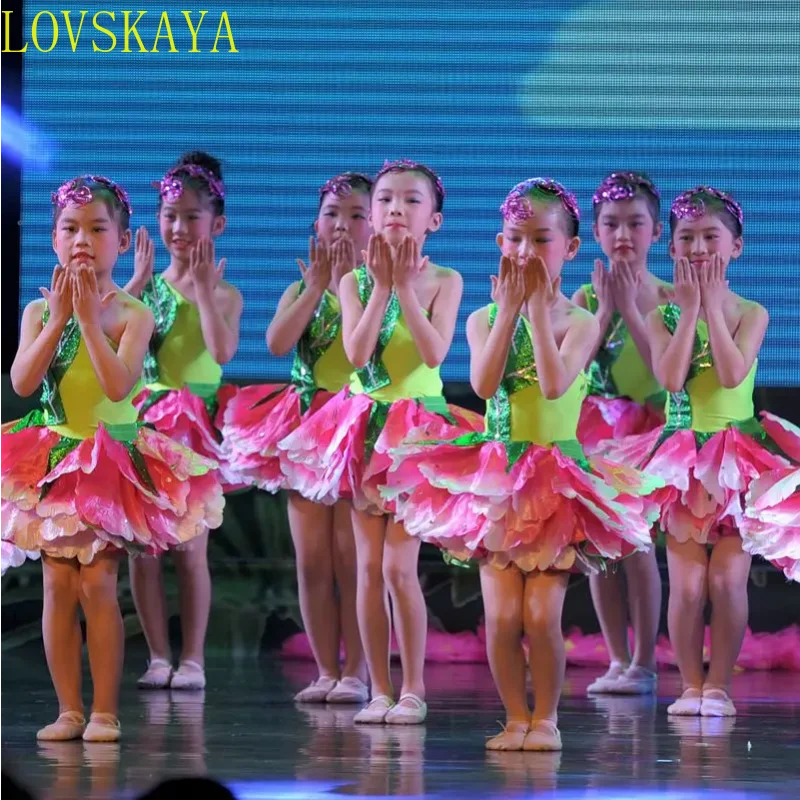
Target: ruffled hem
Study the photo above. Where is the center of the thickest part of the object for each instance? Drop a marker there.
(255, 420)
(541, 511)
(325, 458)
(705, 486)
(13, 556)
(185, 418)
(603, 419)
(147, 495)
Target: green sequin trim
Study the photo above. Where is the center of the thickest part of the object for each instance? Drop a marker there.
(374, 375)
(161, 300)
(377, 420)
(66, 350)
(600, 381)
(319, 335)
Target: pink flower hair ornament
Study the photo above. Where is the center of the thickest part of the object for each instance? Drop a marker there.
(690, 204)
(170, 187)
(517, 207)
(77, 192)
(623, 186)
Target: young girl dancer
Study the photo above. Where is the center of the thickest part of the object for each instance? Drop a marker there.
(398, 316)
(197, 329)
(624, 398)
(704, 347)
(258, 417)
(81, 479)
(521, 497)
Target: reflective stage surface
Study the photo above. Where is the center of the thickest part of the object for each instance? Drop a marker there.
(245, 731)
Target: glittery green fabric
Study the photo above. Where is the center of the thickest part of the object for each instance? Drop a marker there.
(158, 297)
(377, 420)
(600, 380)
(375, 375)
(318, 336)
(66, 350)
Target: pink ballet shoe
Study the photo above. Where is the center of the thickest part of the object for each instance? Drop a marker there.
(410, 710)
(348, 690)
(716, 703)
(687, 705)
(189, 676)
(69, 725)
(605, 683)
(635, 680)
(375, 713)
(158, 675)
(316, 692)
(510, 738)
(102, 728)
(543, 735)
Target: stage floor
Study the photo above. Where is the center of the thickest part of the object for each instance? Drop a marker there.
(245, 731)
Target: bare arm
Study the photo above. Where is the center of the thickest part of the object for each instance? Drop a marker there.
(361, 326)
(291, 318)
(489, 348)
(603, 317)
(37, 347)
(220, 313)
(143, 262)
(671, 354)
(734, 355)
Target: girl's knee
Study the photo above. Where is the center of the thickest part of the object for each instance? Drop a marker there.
(400, 577)
(98, 586)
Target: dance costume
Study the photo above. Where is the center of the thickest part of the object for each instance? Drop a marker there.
(258, 417)
(183, 397)
(624, 398)
(342, 450)
(81, 475)
(522, 492)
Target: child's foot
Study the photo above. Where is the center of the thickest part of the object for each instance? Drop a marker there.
(605, 683)
(159, 672)
(542, 735)
(189, 676)
(316, 691)
(636, 680)
(102, 728)
(348, 690)
(510, 738)
(687, 705)
(375, 713)
(69, 725)
(716, 703)
(410, 710)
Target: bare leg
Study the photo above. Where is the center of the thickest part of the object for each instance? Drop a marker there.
(608, 595)
(727, 586)
(311, 525)
(503, 593)
(105, 634)
(644, 601)
(542, 610)
(400, 556)
(61, 630)
(147, 587)
(344, 568)
(194, 594)
(373, 615)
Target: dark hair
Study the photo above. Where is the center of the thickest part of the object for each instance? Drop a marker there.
(98, 187)
(540, 194)
(357, 181)
(701, 200)
(406, 165)
(626, 186)
(199, 183)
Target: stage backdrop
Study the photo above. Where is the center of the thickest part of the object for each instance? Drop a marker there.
(486, 93)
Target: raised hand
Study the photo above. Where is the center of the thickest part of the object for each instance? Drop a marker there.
(59, 295)
(625, 282)
(543, 290)
(508, 286)
(343, 258)
(144, 257)
(86, 299)
(380, 261)
(407, 263)
(713, 284)
(317, 275)
(206, 273)
(686, 286)
(601, 281)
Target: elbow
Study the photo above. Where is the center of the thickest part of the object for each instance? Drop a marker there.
(552, 392)
(222, 356)
(275, 345)
(116, 395)
(21, 388)
(670, 384)
(432, 361)
(358, 359)
(483, 389)
(730, 381)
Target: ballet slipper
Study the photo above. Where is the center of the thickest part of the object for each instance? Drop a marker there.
(375, 713)
(189, 676)
(410, 710)
(102, 728)
(510, 738)
(348, 690)
(605, 683)
(69, 725)
(316, 691)
(687, 705)
(158, 675)
(542, 735)
(636, 680)
(716, 703)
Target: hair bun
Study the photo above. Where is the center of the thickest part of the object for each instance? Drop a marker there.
(202, 159)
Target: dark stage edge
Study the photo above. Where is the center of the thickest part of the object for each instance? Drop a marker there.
(245, 731)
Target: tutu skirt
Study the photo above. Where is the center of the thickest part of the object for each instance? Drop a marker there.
(605, 418)
(519, 503)
(193, 422)
(343, 450)
(254, 421)
(72, 498)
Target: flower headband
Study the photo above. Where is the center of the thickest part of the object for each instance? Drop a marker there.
(690, 204)
(403, 164)
(517, 207)
(342, 185)
(170, 187)
(623, 186)
(77, 192)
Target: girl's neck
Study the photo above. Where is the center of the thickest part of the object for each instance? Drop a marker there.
(177, 271)
(105, 283)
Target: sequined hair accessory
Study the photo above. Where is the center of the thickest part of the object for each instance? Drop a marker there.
(77, 192)
(690, 204)
(517, 207)
(623, 186)
(406, 164)
(170, 187)
(342, 185)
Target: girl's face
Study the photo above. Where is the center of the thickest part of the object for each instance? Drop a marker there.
(344, 217)
(403, 203)
(183, 223)
(89, 235)
(625, 230)
(542, 235)
(698, 239)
